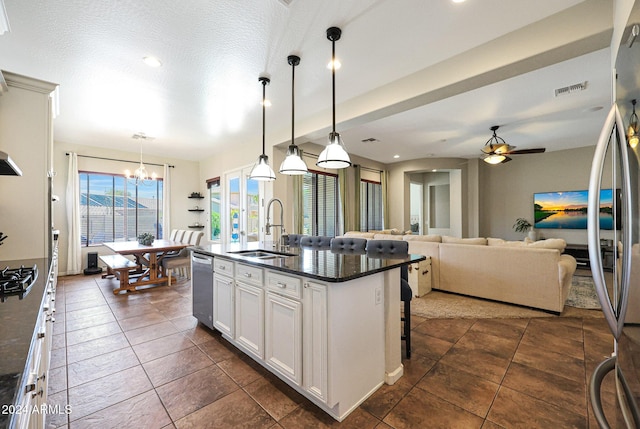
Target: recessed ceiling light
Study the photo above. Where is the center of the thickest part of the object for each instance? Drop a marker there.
(434, 170)
(457, 1)
(152, 61)
(396, 156)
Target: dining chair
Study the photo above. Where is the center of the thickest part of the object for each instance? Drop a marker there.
(182, 261)
(389, 249)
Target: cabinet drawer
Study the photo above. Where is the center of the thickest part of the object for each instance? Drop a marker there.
(284, 285)
(249, 274)
(223, 266)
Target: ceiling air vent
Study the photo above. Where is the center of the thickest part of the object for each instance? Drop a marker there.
(286, 2)
(576, 87)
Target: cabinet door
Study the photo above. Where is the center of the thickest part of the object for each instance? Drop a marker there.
(315, 340)
(249, 318)
(283, 336)
(223, 304)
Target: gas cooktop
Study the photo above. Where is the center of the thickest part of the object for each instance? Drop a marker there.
(17, 281)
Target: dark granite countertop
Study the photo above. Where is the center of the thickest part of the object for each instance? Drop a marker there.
(323, 264)
(18, 318)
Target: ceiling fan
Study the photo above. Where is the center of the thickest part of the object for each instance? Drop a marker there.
(496, 149)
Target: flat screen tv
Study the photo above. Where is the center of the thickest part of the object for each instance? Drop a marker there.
(568, 210)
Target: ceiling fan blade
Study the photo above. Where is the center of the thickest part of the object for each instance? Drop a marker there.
(506, 159)
(497, 148)
(525, 151)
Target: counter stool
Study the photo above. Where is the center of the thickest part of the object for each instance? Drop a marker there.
(316, 241)
(294, 240)
(348, 245)
(390, 249)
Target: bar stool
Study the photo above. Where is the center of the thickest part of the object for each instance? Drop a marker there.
(389, 249)
(294, 240)
(348, 245)
(316, 241)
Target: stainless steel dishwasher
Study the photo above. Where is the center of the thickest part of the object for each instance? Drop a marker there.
(202, 281)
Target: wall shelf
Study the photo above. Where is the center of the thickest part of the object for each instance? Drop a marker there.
(196, 226)
(196, 210)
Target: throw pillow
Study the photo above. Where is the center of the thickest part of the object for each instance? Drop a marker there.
(505, 243)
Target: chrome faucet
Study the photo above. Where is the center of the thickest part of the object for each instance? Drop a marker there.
(267, 227)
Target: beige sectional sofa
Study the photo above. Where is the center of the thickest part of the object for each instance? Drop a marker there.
(532, 274)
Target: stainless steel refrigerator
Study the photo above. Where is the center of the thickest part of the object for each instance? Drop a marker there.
(615, 384)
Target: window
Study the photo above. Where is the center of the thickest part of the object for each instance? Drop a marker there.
(370, 205)
(113, 208)
(214, 202)
(320, 203)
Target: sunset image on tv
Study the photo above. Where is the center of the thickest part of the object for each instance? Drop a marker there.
(569, 209)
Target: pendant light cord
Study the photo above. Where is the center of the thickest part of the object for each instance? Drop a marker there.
(293, 77)
(333, 81)
(264, 86)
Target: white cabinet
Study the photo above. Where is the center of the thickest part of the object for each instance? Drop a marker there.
(223, 308)
(315, 340)
(283, 336)
(250, 318)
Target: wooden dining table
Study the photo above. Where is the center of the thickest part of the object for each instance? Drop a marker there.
(148, 258)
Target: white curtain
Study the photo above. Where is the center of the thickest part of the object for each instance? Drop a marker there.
(74, 252)
(166, 201)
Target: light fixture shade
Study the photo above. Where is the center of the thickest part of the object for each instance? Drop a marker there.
(494, 158)
(293, 164)
(262, 171)
(334, 155)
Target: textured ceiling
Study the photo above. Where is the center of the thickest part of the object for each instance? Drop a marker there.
(425, 78)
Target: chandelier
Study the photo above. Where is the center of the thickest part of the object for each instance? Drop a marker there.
(140, 175)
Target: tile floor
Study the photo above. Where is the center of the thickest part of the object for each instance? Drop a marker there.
(142, 361)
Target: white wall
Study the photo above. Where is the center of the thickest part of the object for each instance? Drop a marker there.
(184, 181)
(507, 190)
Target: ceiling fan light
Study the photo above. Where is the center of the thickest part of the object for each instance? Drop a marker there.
(633, 141)
(334, 154)
(494, 159)
(261, 170)
(293, 164)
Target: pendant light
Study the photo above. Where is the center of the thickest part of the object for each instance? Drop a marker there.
(262, 171)
(293, 164)
(334, 155)
(632, 135)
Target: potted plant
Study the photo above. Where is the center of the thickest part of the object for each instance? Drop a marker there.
(523, 225)
(146, 239)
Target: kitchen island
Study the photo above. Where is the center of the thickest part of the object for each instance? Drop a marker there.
(326, 323)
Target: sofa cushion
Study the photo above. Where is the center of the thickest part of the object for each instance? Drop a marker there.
(359, 234)
(455, 240)
(387, 237)
(550, 243)
(429, 238)
(501, 242)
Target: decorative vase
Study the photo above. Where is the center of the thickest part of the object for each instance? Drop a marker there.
(533, 234)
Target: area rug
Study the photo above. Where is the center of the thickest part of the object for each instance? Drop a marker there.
(583, 293)
(443, 305)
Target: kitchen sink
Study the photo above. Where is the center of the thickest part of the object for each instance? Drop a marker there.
(261, 254)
